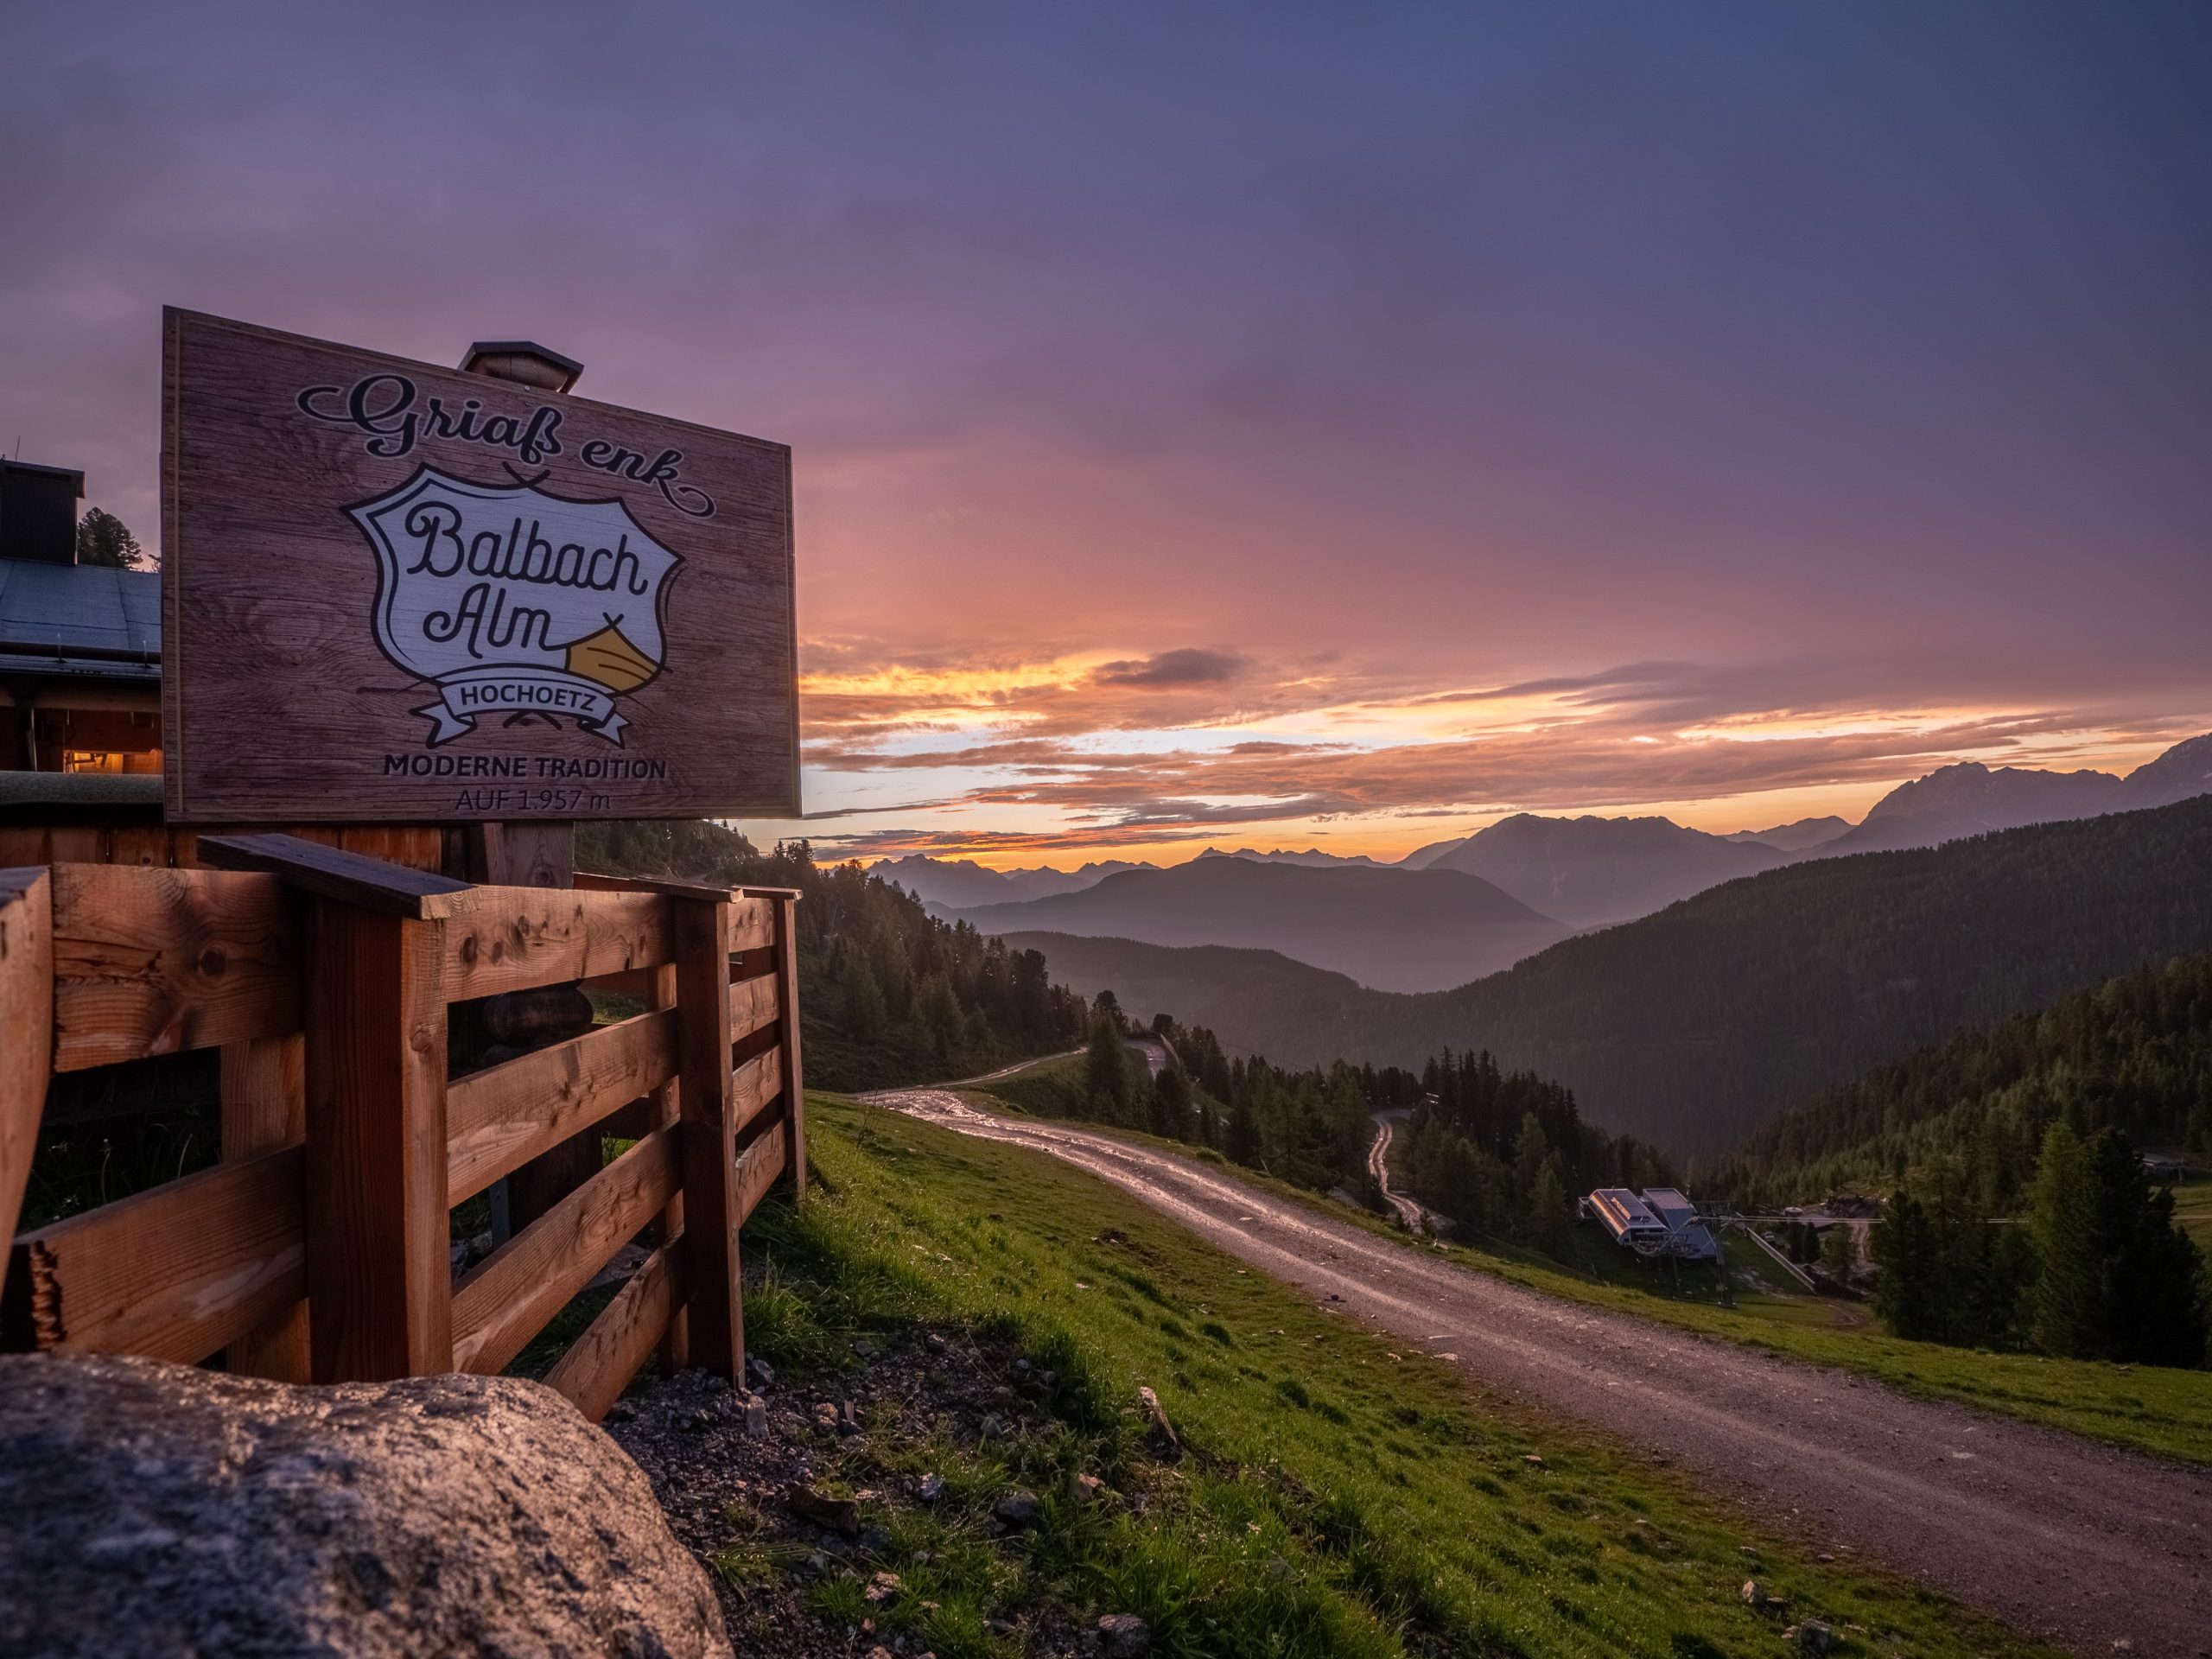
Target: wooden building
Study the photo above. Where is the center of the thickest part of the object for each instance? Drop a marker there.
(81, 645)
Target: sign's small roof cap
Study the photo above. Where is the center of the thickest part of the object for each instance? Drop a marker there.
(525, 360)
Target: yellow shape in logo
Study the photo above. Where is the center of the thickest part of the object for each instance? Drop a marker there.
(611, 660)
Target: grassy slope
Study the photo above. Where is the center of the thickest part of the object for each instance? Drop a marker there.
(2151, 1408)
(1341, 1500)
(2148, 1407)
(2193, 1210)
(1052, 1087)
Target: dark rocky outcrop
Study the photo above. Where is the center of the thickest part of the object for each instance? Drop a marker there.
(161, 1510)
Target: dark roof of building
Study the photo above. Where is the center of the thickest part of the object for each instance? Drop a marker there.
(80, 619)
(73, 474)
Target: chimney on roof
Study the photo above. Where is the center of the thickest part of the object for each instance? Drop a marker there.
(38, 512)
(524, 361)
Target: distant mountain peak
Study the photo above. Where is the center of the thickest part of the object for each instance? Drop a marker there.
(1970, 798)
(1592, 871)
(1971, 783)
(2183, 770)
(1314, 857)
(1801, 836)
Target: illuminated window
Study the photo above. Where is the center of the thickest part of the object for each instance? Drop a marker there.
(137, 760)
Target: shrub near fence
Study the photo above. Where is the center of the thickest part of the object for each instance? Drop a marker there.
(317, 1248)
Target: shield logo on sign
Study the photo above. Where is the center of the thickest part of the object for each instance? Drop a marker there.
(513, 602)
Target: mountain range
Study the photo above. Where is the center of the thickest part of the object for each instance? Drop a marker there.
(1593, 872)
(1391, 929)
(962, 883)
(1971, 800)
(1689, 1027)
(1799, 837)
(1590, 872)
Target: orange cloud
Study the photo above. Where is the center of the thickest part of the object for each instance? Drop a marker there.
(1090, 752)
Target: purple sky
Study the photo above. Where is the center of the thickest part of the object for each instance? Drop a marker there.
(1268, 423)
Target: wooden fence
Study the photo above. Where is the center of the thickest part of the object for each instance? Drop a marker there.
(317, 1248)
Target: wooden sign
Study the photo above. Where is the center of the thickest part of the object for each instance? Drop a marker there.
(391, 591)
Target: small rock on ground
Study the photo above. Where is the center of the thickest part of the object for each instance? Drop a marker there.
(1123, 1636)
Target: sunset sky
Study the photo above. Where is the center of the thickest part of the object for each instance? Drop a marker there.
(1277, 424)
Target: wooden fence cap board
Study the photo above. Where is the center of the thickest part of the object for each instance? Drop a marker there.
(666, 889)
(332, 873)
(791, 893)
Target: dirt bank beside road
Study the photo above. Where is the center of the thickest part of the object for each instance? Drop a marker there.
(2073, 1541)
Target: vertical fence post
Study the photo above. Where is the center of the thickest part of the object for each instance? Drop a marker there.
(716, 1316)
(26, 1029)
(666, 1114)
(787, 1028)
(263, 1082)
(379, 1284)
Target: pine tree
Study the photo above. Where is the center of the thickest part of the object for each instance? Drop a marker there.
(104, 539)
(1171, 1105)
(2063, 1225)
(937, 1013)
(1551, 1222)
(2148, 1300)
(1241, 1140)
(1907, 1294)
(1839, 1252)
(866, 1016)
(1106, 1068)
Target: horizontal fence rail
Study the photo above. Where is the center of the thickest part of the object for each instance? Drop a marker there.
(318, 1248)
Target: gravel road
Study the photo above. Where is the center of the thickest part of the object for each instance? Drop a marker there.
(2081, 1544)
(1378, 1153)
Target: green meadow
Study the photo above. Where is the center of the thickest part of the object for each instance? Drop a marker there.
(2151, 1408)
(1335, 1496)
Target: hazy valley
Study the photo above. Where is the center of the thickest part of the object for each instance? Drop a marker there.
(1749, 975)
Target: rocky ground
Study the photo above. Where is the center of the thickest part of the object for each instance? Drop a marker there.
(927, 1501)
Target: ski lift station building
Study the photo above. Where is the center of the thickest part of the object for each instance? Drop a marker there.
(1660, 1221)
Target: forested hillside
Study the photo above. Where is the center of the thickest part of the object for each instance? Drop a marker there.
(2134, 1053)
(1498, 1155)
(1311, 1128)
(1236, 993)
(1503, 1155)
(888, 994)
(1686, 1028)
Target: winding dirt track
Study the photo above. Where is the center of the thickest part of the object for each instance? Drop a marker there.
(1378, 1154)
(2076, 1542)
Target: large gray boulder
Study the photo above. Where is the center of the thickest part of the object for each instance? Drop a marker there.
(160, 1509)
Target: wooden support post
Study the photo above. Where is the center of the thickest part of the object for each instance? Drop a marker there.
(787, 1028)
(716, 1322)
(379, 1289)
(666, 1107)
(26, 1028)
(522, 855)
(265, 1098)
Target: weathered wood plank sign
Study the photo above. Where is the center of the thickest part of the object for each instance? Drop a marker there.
(392, 591)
